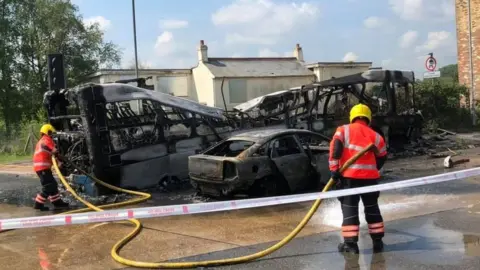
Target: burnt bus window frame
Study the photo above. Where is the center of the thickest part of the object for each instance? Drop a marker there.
(124, 122)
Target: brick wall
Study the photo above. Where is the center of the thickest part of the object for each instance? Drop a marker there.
(463, 57)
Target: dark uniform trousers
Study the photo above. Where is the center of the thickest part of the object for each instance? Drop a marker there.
(49, 184)
(351, 222)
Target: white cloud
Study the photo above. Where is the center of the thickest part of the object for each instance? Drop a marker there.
(263, 21)
(173, 53)
(165, 44)
(173, 24)
(436, 40)
(424, 10)
(373, 22)
(408, 38)
(267, 53)
(350, 57)
(103, 23)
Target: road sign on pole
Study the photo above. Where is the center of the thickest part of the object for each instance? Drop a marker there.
(431, 63)
(431, 74)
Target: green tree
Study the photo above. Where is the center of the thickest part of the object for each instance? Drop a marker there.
(50, 26)
(7, 70)
(29, 31)
(439, 102)
(449, 73)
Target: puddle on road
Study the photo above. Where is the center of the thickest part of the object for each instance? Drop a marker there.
(418, 244)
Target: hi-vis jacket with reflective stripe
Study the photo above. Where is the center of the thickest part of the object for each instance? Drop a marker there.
(42, 158)
(347, 141)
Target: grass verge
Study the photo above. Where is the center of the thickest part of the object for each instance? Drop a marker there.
(11, 158)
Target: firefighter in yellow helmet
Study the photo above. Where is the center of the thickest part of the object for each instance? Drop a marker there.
(347, 141)
(42, 164)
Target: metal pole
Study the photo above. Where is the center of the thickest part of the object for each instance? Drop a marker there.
(472, 78)
(135, 38)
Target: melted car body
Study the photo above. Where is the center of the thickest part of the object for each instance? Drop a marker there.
(267, 162)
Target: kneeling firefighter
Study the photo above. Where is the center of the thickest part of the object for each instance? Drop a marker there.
(347, 141)
(42, 164)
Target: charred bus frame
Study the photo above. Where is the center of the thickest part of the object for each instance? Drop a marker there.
(100, 132)
(310, 106)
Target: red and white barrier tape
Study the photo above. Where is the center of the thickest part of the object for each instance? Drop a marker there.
(197, 208)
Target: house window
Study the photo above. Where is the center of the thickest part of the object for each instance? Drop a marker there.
(237, 90)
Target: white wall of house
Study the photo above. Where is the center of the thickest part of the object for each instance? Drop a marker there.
(176, 82)
(327, 71)
(239, 90)
(203, 87)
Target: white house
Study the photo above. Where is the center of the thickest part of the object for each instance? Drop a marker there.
(232, 79)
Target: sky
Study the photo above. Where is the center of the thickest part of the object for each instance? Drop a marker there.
(394, 34)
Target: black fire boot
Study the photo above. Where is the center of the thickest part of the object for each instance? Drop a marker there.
(348, 247)
(377, 245)
(40, 206)
(60, 204)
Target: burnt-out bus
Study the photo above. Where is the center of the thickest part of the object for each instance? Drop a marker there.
(322, 106)
(130, 136)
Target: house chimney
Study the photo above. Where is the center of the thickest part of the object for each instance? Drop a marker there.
(298, 53)
(202, 52)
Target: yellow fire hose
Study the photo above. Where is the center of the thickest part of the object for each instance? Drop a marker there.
(183, 265)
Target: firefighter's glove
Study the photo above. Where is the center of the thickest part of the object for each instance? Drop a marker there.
(337, 178)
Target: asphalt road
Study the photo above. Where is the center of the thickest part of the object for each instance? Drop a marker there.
(446, 240)
(428, 227)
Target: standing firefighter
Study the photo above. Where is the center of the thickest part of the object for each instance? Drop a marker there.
(348, 141)
(42, 164)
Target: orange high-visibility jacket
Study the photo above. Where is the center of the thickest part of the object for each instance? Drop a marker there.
(355, 137)
(42, 158)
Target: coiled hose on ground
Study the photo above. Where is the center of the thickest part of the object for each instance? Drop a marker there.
(183, 265)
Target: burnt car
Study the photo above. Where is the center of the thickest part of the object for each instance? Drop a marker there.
(262, 162)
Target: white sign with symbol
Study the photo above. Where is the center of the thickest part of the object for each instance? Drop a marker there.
(432, 74)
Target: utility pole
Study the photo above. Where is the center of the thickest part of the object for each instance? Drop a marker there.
(135, 38)
(472, 76)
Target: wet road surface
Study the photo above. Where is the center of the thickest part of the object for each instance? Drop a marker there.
(415, 241)
(446, 240)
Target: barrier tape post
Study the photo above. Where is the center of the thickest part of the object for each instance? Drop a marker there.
(198, 208)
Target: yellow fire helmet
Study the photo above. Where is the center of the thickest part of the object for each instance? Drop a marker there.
(47, 129)
(360, 110)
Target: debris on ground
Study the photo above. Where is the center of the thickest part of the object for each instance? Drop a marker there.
(437, 144)
(450, 163)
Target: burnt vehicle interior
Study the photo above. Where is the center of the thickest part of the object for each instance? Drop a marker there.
(300, 159)
(323, 106)
(230, 148)
(105, 128)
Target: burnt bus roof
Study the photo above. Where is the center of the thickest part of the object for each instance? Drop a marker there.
(368, 76)
(362, 77)
(264, 135)
(118, 92)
